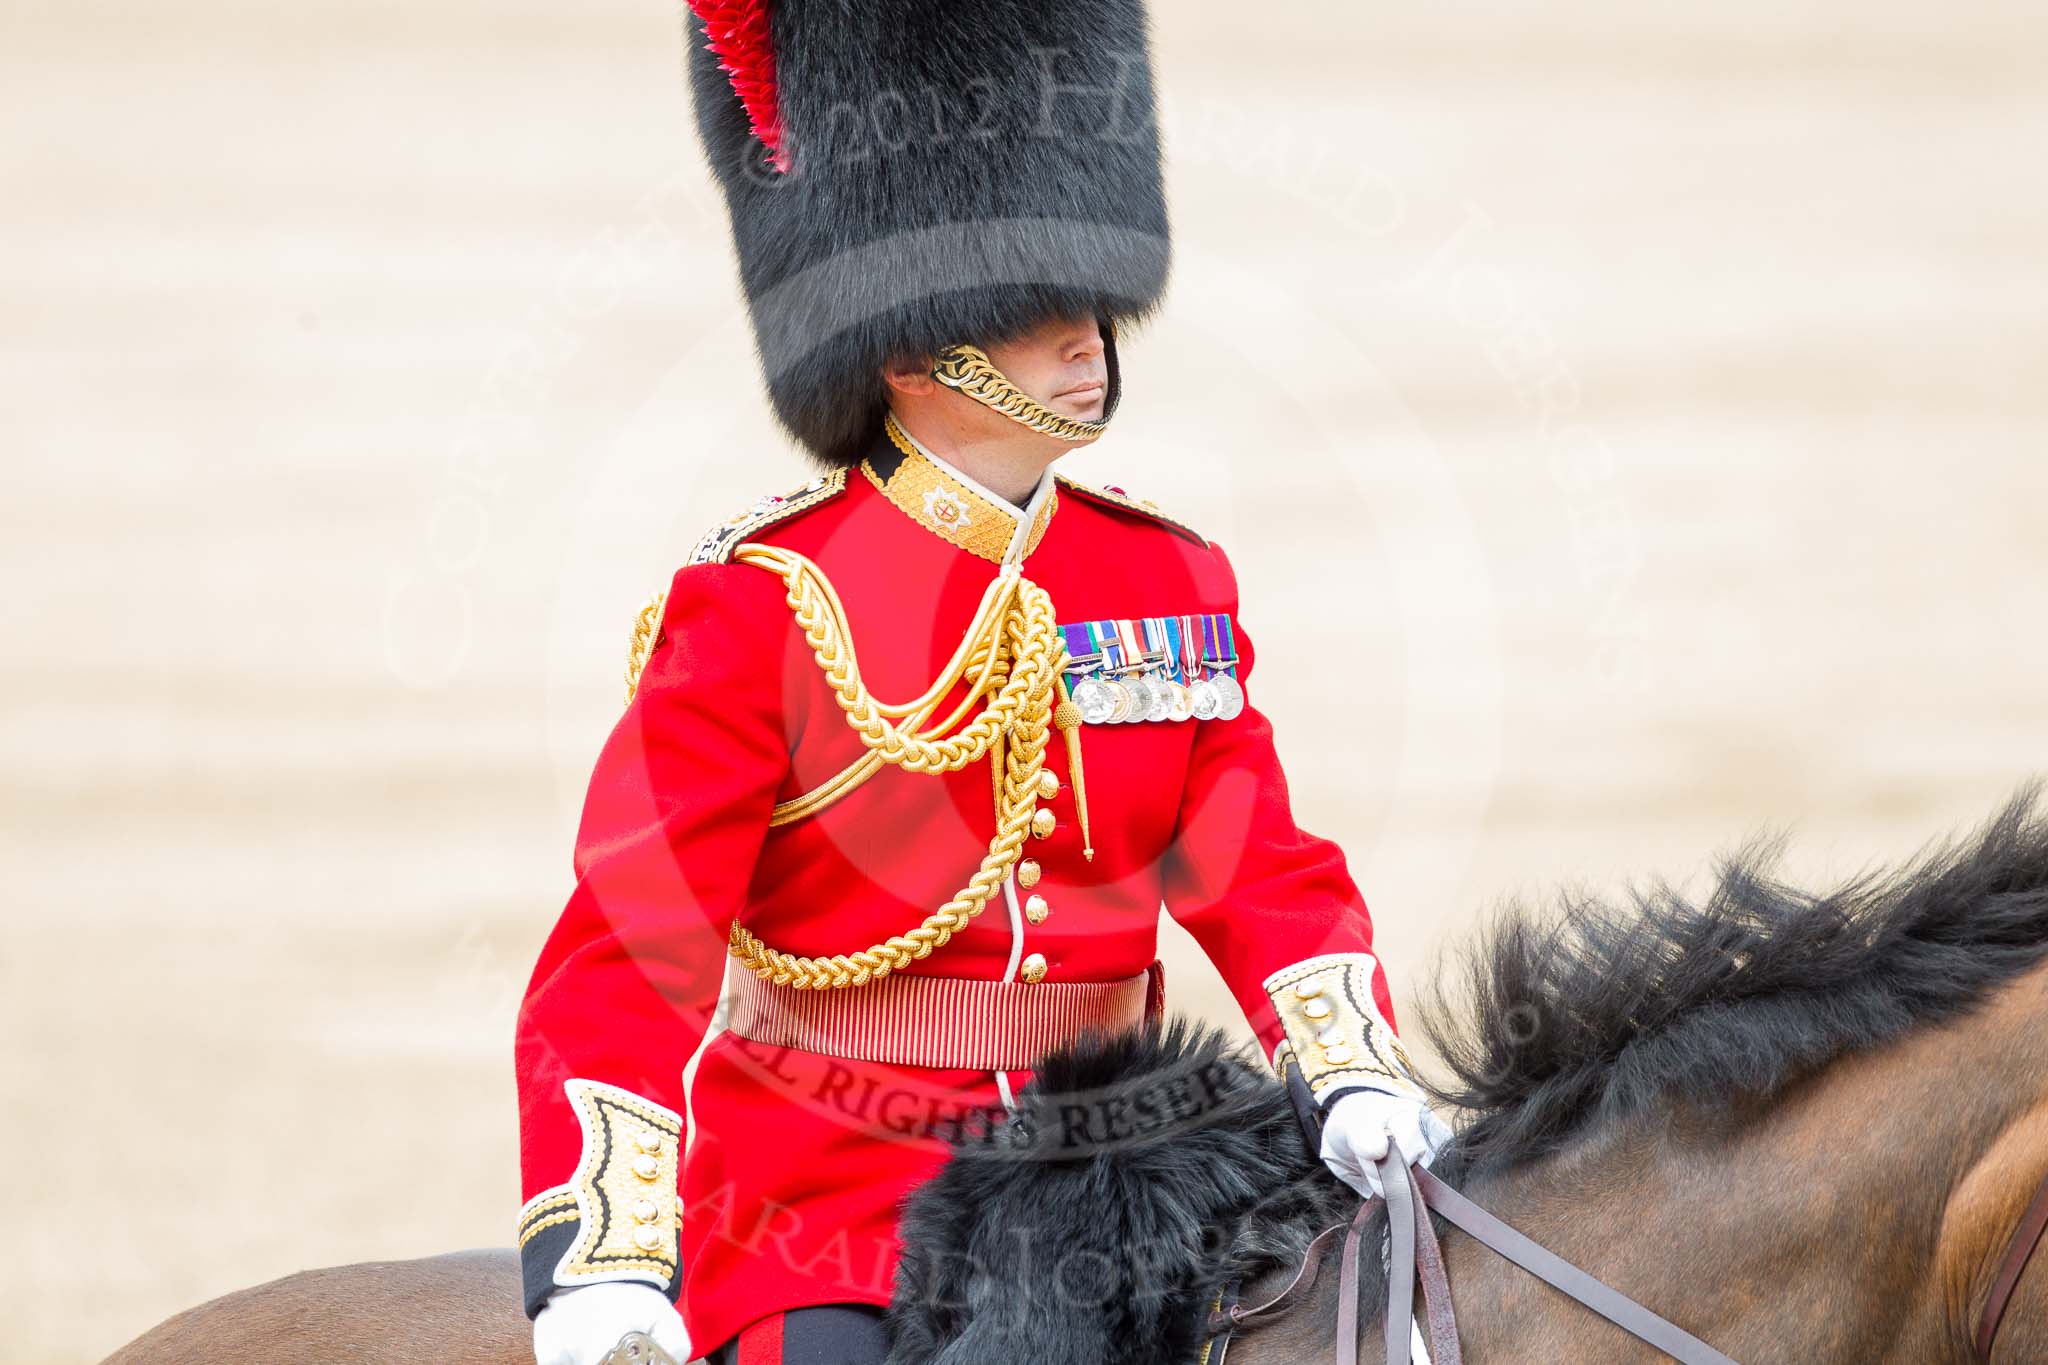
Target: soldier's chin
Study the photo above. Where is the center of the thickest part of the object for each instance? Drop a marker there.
(1081, 407)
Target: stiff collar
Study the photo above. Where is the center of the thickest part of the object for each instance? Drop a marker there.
(955, 507)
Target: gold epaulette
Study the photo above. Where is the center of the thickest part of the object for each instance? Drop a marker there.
(1144, 507)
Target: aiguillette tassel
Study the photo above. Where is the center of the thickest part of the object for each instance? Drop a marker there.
(1067, 717)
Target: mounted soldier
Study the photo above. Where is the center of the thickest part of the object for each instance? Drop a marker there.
(922, 745)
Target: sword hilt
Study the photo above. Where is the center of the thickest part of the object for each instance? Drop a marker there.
(637, 1348)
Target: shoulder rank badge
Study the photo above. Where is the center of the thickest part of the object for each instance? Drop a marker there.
(1154, 668)
(1117, 497)
(717, 545)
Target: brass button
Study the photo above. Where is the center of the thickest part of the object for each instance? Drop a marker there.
(1027, 873)
(1338, 1055)
(645, 1210)
(1309, 989)
(1035, 909)
(1334, 1033)
(1317, 1008)
(1043, 822)
(1048, 784)
(649, 1140)
(1034, 967)
(647, 1239)
(646, 1167)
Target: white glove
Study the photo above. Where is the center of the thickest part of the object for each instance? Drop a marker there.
(1361, 1124)
(580, 1326)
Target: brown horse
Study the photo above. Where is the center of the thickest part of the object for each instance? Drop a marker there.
(1801, 1127)
(463, 1306)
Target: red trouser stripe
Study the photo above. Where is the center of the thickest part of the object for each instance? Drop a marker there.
(761, 1343)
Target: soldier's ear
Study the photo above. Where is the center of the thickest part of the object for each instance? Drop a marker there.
(911, 374)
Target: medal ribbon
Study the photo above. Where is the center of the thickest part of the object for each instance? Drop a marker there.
(1133, 643)
(1154, 631)
(1080, 644)
(1192, 646)
(1103, 633)
(1229, 645)
(1190, 643)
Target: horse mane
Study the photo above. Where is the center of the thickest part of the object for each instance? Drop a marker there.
(1591, 1016)
(1594, 1015)
(1039, 1241)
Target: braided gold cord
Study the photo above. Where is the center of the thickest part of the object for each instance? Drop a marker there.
(823, 621)
(989, 671)
(982, 663)
(1014, 650)
(646, 630)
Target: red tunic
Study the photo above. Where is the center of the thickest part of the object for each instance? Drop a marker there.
(790, 1186)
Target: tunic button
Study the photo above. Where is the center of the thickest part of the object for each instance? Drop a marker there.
(647, 1239)
(1027, 873)
(1042, 823)
(1034, 967)
(1048, 784)
(646, 1167)
(1317, 1008)
(646, 1210)
(1035, 909)
(1308, 990)
(649, 1140)
(1338, 1055)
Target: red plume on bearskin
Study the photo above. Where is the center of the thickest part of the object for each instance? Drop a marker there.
(737, 32)
(939, 171)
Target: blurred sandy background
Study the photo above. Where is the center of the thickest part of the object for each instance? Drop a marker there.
(1628, 422)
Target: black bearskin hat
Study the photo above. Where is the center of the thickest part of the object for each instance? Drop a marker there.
(905, 175)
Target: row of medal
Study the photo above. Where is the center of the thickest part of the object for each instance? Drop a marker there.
(1154, 668)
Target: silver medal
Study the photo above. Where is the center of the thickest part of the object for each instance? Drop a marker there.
(1203, 699)
(1157, 702)
(1230, 697)
(1178, 706)
(1120, 693)
(1096, 701)
(1141, 696)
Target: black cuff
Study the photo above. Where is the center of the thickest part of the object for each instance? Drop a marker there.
(537, 1262)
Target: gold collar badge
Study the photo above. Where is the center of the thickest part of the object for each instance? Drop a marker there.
(934, 498)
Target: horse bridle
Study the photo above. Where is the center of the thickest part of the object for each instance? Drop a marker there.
(1412, 1193)
(1415, 1256)
(2025, 1238)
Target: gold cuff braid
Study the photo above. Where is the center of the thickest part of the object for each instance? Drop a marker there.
(1334, 1029)
(623, 1196)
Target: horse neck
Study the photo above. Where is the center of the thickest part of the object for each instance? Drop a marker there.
(1859, 1214)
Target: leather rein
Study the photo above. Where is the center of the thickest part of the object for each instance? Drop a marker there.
(2025, 1238)
(1413, 1193)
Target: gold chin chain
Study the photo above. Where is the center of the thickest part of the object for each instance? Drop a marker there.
(969, 370)
(1014, 655)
